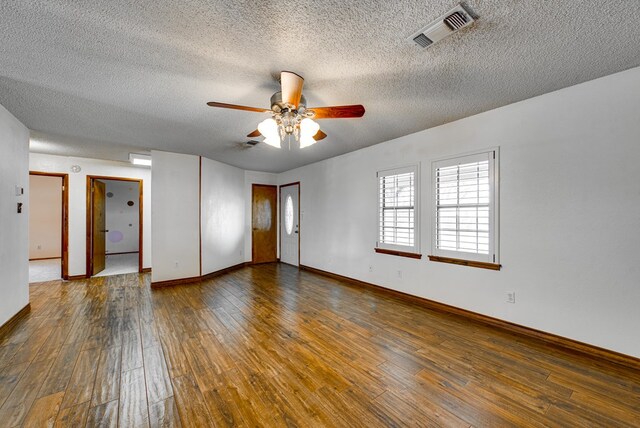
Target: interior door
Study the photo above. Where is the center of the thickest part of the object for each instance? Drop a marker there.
(289, 224)
(99, 227)
(264, 236)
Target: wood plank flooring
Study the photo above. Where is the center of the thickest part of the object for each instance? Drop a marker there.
(269, 345)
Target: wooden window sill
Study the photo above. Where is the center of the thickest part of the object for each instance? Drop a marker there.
(471, 263)
(398, 253)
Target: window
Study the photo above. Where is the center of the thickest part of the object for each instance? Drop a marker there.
(398, 211)
(465, 208)
(288, 215)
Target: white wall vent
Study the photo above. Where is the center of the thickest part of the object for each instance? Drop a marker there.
(442, 27)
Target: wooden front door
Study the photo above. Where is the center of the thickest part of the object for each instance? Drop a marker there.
(264, 223)
(99, 231)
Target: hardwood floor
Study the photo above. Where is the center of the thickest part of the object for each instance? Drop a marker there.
(269, 345)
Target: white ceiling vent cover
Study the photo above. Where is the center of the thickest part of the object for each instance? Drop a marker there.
(442, 27)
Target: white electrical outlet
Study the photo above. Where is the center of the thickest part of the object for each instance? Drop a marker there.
(511, 296)
(370, 268)
(176, 265)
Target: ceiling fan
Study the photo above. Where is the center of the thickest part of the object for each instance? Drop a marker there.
(290, 115)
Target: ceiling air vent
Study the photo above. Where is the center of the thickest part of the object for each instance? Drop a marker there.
(442, 27)
(455, 21)
(422, 40)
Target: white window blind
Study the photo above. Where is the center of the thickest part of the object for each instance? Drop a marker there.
(465, 207)
(397, 195)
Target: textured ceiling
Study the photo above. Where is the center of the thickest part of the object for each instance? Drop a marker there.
(102, 78)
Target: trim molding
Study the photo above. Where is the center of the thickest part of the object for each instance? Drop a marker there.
(14, 319)
(180, 281)
(89, 219)
(125, 252)
(461, 262)
(46, 258)
(549, 338)
(64, 245)
(76, 277)
(223, 271)
(200, 211)
(299, 232)
(146, 270)
(398, 253)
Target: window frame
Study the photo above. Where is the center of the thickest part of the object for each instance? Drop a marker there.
(492, 259)
(397, 249)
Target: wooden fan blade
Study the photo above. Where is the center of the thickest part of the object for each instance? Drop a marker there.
(237, 107)
(255, 133)
(337, 112)
(319, 135)
(291, 84)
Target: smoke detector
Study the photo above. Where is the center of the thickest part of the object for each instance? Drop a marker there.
(442, 27)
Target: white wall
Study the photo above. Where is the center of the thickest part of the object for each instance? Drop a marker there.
(250, 178)
(45, 217)
(569, 213)
(223, 216)
(78, 198)
(122, 219)
(14, 227)
(175, 207)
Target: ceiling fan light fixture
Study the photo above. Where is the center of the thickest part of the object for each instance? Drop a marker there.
(308, 128)
(269, 128)
(273, 141)
(291, 119)
(306, 141)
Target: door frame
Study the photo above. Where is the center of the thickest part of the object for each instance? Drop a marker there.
(90, 179)
(64, 244)
(253, 186)
(280, 217)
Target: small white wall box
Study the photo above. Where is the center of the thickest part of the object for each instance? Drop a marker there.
(139, 159)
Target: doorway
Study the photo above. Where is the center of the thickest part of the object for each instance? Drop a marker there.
(290, 223)
(264, 238)
(48, 226)
(114, 225)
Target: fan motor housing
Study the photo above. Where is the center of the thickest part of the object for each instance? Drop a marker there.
(277, 105)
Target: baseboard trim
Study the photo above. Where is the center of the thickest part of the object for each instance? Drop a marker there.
(14, 319)
(180, 281)
(171, 282)
(124, 252)
(146, 270)
(252, 263)
(45, 258)
(549, 338)
(223, 271)
(76, 277)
